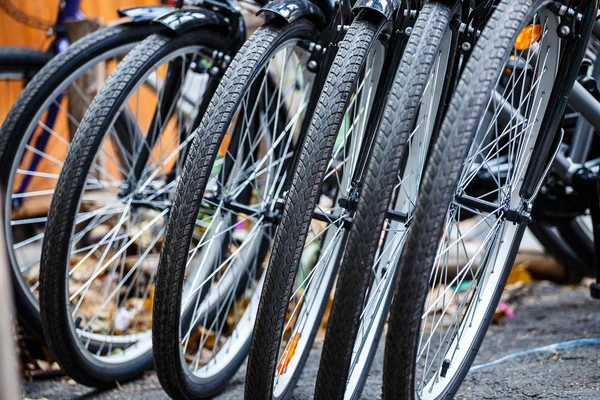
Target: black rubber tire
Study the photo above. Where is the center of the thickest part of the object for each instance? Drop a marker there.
(57, 322)
(379, 181)
(554, 241)
(444, 168)
(176, 378)
(25, 109)
(26, 61)
(300, 204)
(581, 243)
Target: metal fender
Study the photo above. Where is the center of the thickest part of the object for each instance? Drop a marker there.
(184, 20)
(291, 10)
(384, 7)
(145, 14)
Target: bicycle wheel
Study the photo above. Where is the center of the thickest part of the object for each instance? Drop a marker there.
(392, 179)
(464, 234)
(34, 141)
(302, 267)
(109, 209)
(17, 67)
(225, 208)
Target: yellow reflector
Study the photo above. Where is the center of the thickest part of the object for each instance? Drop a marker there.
(290, 349)
(528, 36)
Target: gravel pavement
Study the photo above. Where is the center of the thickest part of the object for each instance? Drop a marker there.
(545, 314)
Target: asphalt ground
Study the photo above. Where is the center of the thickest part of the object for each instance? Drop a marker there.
(545, 314)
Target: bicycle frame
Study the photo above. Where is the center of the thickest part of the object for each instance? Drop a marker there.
(69, 10)
(574, 51)
(588, 108)
(166, 15)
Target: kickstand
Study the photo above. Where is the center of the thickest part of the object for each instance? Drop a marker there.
(595, 211)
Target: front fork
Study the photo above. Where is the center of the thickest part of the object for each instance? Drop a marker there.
(573, 56)
(396, 41)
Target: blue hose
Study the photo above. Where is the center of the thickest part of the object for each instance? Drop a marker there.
(570, 344)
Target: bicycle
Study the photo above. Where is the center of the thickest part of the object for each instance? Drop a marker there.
(112, 195)
(38, 129)
(229, 198)
(317, 215)
(561, 203)
(498, 141)
(360, 301)
(18, 65)
(385, 190)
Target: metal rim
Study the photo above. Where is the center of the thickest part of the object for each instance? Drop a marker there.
(115, 348)
(438, 367)
(314, 278)
(379, 294)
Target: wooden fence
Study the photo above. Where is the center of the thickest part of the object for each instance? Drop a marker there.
(13, 33)
(16, 34)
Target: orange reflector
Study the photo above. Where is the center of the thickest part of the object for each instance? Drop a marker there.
(290, 349)
(225, 145)
(528, 36)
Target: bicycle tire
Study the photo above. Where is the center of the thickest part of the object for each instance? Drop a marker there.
(23, 60)
(57, 321)
(378, 186)
(30, 103)
(177, 379)
(439, 185)
(300, 204)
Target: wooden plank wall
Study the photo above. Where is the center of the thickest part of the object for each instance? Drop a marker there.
(13, 33)
(16, 34)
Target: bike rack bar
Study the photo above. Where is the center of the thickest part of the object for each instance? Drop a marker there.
(273, 216)
(477, 204)
(325, 217)
(10, 383)
(241, 208)
(596, 30)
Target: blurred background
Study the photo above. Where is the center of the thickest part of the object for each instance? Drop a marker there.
(28, 23)
(542, 304)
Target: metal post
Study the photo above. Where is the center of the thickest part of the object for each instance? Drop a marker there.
(10, 382)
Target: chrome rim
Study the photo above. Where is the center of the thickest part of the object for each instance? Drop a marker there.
(323, 244)
(233, 232)
(121, 216)
(394, 233)
(475, 246)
